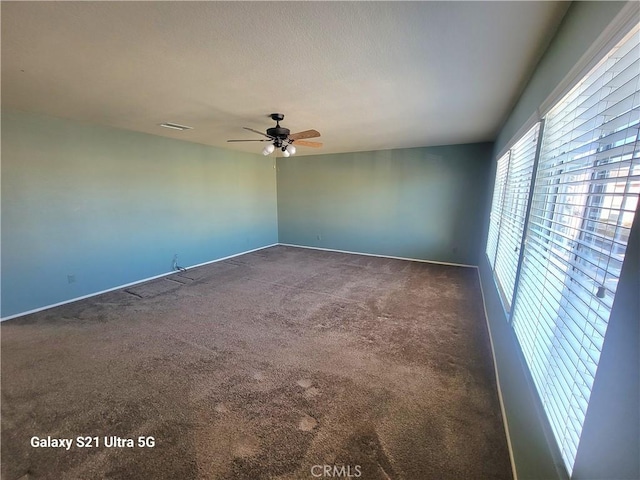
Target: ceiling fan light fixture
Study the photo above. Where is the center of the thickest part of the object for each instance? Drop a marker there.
(268, 150)
(282, 138)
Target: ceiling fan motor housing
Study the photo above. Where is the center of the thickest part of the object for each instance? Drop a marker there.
(278, 131)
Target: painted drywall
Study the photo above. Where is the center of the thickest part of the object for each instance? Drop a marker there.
(423, 203)
(580, 27)
(609, 444)
(535, 455)
(110, 207)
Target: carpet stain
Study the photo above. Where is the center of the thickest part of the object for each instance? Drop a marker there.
(307, 423)
(259, 369)
(311, 392)
(247, 447)
(304, 383)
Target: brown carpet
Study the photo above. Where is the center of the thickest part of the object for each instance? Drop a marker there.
(261, 367)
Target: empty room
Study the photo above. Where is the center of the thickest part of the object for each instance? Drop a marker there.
(302, 240)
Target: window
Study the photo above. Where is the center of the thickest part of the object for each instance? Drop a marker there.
(495, 217)
(515, 181)
(584, 199)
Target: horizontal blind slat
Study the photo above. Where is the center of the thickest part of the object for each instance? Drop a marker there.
(584, 198)
(514, 205)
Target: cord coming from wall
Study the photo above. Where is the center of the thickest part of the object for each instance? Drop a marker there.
(175, 266)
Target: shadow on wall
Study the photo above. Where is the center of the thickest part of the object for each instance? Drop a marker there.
(425, 203)
(88, 208)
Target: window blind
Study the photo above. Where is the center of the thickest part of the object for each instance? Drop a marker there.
(495, 218)
(584, 200)
(514, 210)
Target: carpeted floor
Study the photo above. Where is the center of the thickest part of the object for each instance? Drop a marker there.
(285, 363)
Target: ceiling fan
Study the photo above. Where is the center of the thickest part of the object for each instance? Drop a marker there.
(280, 137)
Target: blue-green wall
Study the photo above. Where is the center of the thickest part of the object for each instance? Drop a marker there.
(424, 203)
(112, 207)
(609, 444)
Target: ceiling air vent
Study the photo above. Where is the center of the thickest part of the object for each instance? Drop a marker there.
(175, 126)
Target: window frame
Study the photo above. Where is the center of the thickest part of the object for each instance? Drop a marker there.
(594, 202)
(508, 298)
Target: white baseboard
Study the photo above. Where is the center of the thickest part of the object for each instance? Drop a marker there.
(495, 366)
(381, 256)
(119, 287)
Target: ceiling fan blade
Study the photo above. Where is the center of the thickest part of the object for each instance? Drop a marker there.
(305, 143)
(305, 134)
(249, 140)
(257, 131)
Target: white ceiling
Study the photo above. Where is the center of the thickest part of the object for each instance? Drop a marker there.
(367, 75)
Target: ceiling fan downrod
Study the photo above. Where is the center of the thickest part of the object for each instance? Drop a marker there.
(278, 133)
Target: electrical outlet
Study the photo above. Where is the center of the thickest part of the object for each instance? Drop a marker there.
(71, 278)
(319, 237)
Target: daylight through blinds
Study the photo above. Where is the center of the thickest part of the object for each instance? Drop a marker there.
(495, 217)
(514, 207)
(584, 199)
